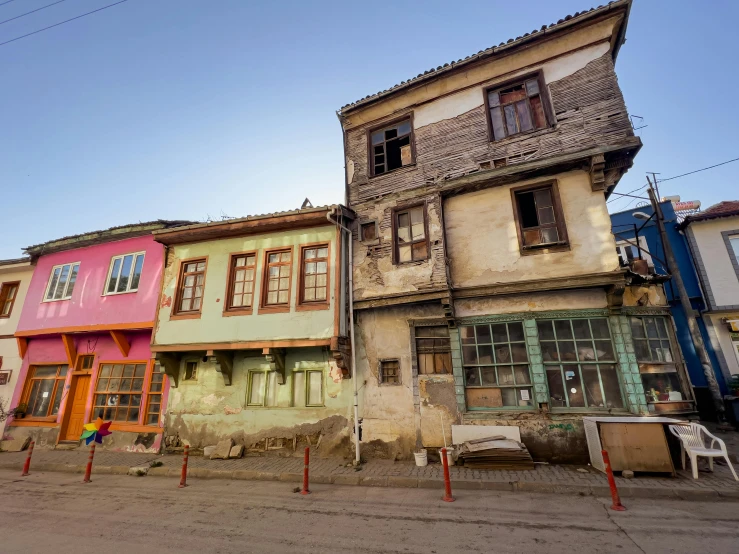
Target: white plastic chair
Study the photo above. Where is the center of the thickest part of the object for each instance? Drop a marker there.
(692, 441)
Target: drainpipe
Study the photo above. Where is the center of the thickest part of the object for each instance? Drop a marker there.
(351, 332)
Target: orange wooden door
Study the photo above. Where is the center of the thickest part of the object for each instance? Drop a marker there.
(76, 407)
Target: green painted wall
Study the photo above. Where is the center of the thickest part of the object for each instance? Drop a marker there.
(212, 326)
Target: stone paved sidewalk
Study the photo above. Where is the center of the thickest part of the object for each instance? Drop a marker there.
(382, 473)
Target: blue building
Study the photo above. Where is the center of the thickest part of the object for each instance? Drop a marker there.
(624, 226)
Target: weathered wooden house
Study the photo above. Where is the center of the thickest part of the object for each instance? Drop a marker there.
(487, 287)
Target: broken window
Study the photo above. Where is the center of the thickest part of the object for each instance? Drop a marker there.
(191, 371)
(389, 372)
(262, 389)
(278, 273)
(433, 350)
(411, 238)
(516, 108)
(307, 388)
(314, 275)
(241, 281)
(580, 362)
(118, 392)
(657, 364)
(390, 147)
(627, 252)
(190, 289)
(496, 366)
(538, 216)
(368, 231)
(61, 282)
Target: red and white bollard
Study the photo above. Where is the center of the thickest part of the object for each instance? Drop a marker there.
(183, 476)
(617, 506)
(88, 469)
(447, 481)
(306, 463)
(27, 464)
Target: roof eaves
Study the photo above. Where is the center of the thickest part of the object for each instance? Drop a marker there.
(565, 22)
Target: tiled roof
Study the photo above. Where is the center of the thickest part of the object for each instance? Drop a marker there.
(511, 42)
(112, 233)
(727, 208)
(15, 261)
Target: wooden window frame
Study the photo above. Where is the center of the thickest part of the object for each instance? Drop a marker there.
(4, 291)
(129, 289)
(370, 150)
(563, 243)
(59, 381)
(308, 305)
(150, 395)
(228, 309)
(306, 387)
(189, 314)
(66, 287)
(267, 373)
(396, 245)
(265, 308)
(543, 94)
(380, 376)
(435, 350)
(377, 232)
(184, 370)
(146, 381)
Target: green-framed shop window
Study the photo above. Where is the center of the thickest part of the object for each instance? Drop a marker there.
(496, 366)
(580, 363)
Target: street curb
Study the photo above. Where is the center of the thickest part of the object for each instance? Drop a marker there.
(697, 495)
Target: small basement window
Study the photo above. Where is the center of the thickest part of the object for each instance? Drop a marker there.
(516, 108)
(389, 372)
(191, 371)
(391, 147)
(540, 222)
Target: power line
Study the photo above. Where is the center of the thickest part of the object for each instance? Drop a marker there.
(8, 2)
(625, 194)
(62, 22)
(29, 13)
(698, 170)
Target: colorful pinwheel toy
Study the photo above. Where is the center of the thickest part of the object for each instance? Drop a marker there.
(95, 431)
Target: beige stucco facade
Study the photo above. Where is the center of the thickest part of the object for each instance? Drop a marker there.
(11, 360)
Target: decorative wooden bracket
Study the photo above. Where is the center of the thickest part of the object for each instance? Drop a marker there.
(224, 364)
(171, 364)
(22, 346)
(447, 305)
(121, 342)
(70, 349)
(341, 352)
(276, 359)
(597, 176)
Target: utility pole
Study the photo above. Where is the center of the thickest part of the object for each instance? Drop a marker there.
(695, 333)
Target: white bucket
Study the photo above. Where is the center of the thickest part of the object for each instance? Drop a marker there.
(421, 458)
(449, 456)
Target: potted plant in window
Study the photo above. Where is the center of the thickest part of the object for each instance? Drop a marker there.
(19, 412)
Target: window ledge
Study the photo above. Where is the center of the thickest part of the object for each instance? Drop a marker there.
(25, 422)
(234, 312)
(133, 428)
(308, 307)
(409, 166)
(185, 316)
(273, 309)
(55, 300)
(561, 246)
(119, 293)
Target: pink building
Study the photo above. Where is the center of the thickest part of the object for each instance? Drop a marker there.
(84, 336)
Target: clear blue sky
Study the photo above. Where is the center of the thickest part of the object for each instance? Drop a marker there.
(185, 109)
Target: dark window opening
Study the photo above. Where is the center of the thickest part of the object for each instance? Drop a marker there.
(391, 147)
(411, 239)
(516, 109)
(433, 350)
(368, 231)
(537, 217)
(191, 371)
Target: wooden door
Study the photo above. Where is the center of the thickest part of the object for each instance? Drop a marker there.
(75, 412)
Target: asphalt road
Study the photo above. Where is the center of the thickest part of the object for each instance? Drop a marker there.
(56, 513)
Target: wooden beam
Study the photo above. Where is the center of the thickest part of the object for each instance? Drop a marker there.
(276, 359)
(225, 364)
(171, 364)
(245, 345)
(22, 346)
(121, 342)
(102, 328)
(70, 349)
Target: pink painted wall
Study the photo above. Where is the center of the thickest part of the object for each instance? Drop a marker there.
(50, 350)
(88, 306)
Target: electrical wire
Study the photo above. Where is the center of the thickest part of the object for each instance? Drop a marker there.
(62, 22)
(33, 11)
(698, 170)
(625, 193)
(8, 2)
